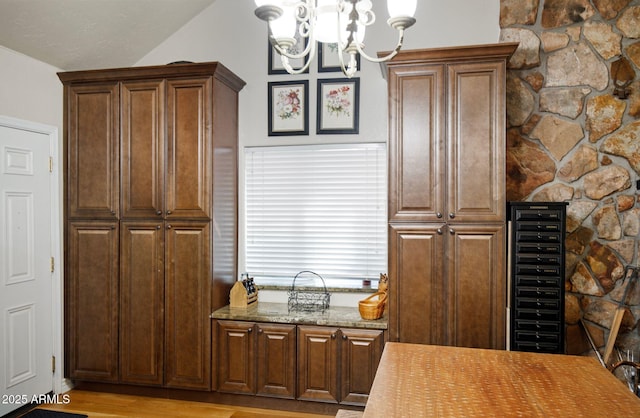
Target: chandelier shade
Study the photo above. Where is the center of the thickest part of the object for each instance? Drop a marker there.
(340, 22)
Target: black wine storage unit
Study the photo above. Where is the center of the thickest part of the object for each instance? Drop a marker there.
(537, 270)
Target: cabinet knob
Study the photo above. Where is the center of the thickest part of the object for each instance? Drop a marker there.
(250, 330)
(168, 226)
(158, 212)
(452, 215)
(158, 226)
(438, 215)
(452, 231)
(333, 336)
(259, 330)
(344, 337)
(439, 231)
(113, 212)
(168, 212)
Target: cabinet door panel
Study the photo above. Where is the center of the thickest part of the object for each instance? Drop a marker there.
(91, 301)
(276, 360)
(476, 142)
(187, 305)
(189, 148)
(416, 271)
(236, 357)
(93, 177)
(141, 302)
(142, 149)
(416, 151)
(361, 351)
(317, 364)
(477, 286)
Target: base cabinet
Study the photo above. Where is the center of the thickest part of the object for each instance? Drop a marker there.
(256, 359)
(310, 363)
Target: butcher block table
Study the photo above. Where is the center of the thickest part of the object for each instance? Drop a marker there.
(436, 381)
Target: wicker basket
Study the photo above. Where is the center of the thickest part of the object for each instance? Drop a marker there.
(373, 306)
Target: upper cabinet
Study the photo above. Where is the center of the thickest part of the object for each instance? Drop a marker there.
(447, 135)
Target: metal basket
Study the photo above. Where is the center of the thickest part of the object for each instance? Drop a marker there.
(309, 300)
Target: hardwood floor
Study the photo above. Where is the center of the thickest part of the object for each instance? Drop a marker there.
(103, 405)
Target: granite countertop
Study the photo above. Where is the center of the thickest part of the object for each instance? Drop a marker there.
(336, 316)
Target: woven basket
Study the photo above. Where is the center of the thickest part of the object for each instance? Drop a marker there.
(373, 306)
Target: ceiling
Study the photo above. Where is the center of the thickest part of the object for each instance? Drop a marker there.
(87, 34)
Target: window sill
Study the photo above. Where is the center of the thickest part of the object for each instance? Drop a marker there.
(333, 286)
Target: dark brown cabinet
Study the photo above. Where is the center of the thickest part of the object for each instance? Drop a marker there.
(142, 147)
(304, 362)
(446, 196)
(257, 358)
(337, 365)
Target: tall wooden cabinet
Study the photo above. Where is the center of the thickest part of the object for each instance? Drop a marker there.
(150, 200)
(447, 196)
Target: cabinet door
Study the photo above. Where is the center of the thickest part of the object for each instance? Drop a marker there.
(188, 305)
(141, 302)
(360, 351)
(93, 177)
(476, 142)
(91, 301)
(142, 149)
(476, 286)
(318, 364)
(236, 357)
(276, 360)
(416, 272)
(189, 110)
(416, 147)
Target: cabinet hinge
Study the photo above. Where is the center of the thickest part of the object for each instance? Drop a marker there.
(53, 264)
(50, 164)
(53, 364)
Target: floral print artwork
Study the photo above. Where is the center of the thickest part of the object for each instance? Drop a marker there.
(338, 102)
(288, 104)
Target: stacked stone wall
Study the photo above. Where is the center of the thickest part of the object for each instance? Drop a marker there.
(571, 139)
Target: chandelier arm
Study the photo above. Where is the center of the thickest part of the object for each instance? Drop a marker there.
(387, 57)
(287, 65)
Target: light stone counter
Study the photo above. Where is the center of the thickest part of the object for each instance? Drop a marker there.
(338, 316)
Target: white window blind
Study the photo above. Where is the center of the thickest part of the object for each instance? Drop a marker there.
(319, 208)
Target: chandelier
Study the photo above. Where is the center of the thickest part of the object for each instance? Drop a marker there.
(339, 22)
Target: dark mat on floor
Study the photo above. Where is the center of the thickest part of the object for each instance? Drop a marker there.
(43, 413)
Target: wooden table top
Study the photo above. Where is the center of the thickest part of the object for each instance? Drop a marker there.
(437, 381)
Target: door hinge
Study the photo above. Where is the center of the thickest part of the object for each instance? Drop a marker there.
(53, 264)
(53, 364)
(50, 164)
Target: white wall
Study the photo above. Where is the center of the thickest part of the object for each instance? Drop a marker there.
(29, 89)
(229, 32)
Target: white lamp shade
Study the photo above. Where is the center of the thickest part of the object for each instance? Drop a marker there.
(285, 25)
(399, 8)
(268, 3)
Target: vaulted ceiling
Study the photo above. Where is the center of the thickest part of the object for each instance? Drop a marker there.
(88, 34)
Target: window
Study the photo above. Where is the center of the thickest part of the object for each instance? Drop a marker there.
(320, 208)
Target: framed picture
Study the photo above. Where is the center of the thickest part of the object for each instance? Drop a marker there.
(288, 108)
(275, 60)
(328, 60)
(338, 106)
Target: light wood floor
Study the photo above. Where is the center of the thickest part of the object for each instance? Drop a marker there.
(103, 405)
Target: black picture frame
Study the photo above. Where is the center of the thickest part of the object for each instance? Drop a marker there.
(275, 66)
(338, 106)
(288, 108)
(328, 61)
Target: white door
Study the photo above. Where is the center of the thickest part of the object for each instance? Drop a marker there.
(26, 318)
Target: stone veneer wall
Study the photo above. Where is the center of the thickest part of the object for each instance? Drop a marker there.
(570, 139)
